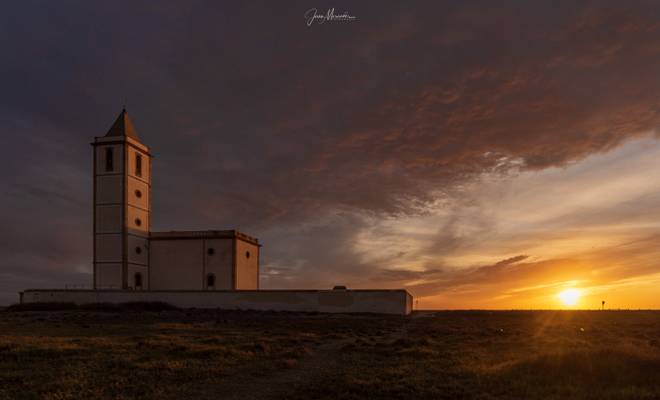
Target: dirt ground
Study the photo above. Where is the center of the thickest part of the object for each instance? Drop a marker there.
(214, 354)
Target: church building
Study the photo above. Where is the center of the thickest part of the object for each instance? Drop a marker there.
(129, 256)
(186, 269)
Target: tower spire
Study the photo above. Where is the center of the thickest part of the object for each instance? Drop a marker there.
(123, 126)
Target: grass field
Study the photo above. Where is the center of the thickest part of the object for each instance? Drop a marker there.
(198, 354)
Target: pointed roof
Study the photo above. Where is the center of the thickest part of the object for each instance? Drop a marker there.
(123, 127)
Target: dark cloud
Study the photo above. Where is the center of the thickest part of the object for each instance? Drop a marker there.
(262, 123)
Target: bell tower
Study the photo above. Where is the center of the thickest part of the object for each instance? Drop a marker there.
(122, 208)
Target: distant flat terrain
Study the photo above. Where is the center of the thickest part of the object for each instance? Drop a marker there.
(213, 354)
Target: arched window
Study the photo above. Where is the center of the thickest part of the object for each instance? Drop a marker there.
(138, 280)
(138, 164)
(210, 281)
(109, 158)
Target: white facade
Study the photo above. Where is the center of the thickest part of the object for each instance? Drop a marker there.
(328, 301)
(127, 255)
(211, 260)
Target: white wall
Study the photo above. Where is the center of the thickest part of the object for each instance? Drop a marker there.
(135, 242)
(331, 301)
(133, 199)
(247, 265)
(108, 276)
(108, 219)
(220, 263)
(109, 189)
(118, 207)
(108, 248)
(184, 263)
(176, 264)
(132, 214)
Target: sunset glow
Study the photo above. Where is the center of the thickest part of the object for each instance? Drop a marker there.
(569, 297)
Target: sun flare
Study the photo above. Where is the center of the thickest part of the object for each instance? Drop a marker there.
(569, 297)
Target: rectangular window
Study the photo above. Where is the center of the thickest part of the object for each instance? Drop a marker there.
(138, 164)
(109, 159)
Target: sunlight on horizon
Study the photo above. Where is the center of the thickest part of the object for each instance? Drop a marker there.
(570, 297)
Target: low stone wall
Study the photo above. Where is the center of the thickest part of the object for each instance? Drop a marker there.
(330, 301)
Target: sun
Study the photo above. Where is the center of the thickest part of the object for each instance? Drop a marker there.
(569, 297)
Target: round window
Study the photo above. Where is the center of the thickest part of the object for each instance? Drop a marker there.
(138, 194)
(211, 251)
(247, 254)
(138, 221)
(138, 249)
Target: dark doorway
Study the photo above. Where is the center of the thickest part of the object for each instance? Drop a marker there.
(210, 281)
(138, 280)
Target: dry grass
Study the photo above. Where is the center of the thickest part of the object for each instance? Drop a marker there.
(206, 354)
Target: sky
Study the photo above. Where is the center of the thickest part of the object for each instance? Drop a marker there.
(478, 154)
